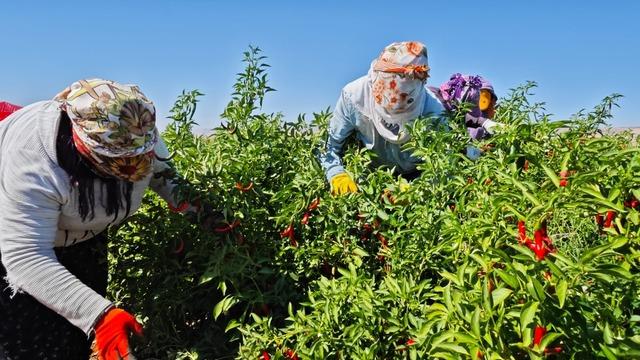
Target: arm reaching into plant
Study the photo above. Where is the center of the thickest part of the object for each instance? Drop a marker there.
(165, 182)
(341, 126)
(481, 116)
(32, 197)
(112, 335)
(343, 184)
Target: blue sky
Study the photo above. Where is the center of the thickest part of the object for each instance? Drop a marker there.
(577, 51)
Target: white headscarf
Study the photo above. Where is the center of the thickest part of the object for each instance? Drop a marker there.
(397, 78)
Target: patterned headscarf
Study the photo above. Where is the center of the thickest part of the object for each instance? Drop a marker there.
(113, 127)
(397, 79)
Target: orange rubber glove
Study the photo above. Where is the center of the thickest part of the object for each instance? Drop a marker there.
(112, 334)
(487, 103)
(486, 98)
(343, 184)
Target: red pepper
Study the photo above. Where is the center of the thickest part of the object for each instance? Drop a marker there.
(599, 220)
(366, 231)
(314, 204)
(291, 355)
(545, 237)
(384, 244)
(632, 203)
(305, 218)
(265, 355)
(410, 342)
(526, 165)
(522, 230)
(542, 244)
(243, 188)
(538, 334)
(389, 195)
(288, 232)
(180, 208)
(367, 228)
(609, 220)
(383, 240)
(227, 228)
(540, 251)
(564, 175)
(479, 354)
(180, 247)
(553, 350)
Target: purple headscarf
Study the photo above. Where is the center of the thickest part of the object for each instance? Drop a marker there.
(466, 88)
(463, 88)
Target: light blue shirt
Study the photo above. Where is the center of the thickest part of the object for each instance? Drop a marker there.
(347, 119)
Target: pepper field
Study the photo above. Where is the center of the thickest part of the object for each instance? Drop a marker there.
(532, 251)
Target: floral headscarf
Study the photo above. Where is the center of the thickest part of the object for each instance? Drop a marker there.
(397, 79)
(113, 127)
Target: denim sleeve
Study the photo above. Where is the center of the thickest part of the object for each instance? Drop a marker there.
(434, 107)
(341, 125)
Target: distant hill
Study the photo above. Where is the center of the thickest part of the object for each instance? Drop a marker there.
(634, 130)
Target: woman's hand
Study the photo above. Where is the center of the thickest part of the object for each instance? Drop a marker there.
(112, 335)
(343, 184)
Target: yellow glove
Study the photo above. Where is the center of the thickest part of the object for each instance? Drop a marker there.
(343, 184)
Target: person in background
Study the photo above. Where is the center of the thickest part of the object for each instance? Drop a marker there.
(479, 94)
(70, 168)
(377, 108)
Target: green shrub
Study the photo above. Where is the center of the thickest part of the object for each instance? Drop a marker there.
(440, 270)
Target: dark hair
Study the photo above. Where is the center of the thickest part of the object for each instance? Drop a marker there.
(83, 178)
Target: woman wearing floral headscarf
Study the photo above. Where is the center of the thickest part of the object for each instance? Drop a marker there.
(69, 169)
(377, 108)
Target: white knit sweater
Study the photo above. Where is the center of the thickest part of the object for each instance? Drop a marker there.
(39, 211)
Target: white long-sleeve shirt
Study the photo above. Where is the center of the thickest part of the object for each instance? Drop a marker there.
(39, 211)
